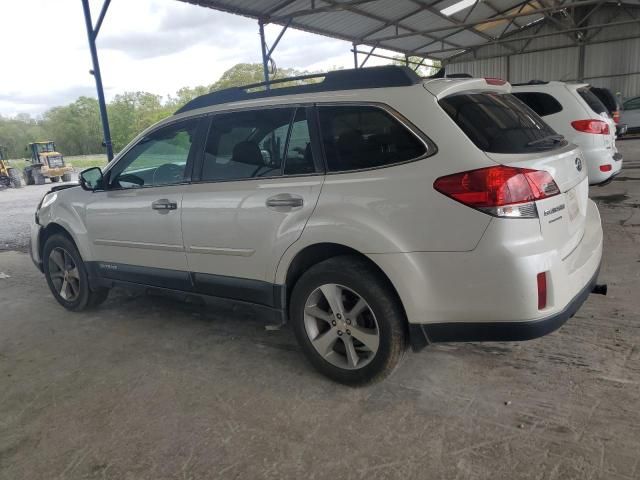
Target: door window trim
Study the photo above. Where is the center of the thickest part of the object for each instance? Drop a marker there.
(430, 147)
(195, 151)
(313, 134)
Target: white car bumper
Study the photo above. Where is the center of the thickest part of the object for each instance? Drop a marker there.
(491, 293)
(597, 158)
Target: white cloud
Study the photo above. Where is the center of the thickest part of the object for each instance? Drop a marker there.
(157, 46)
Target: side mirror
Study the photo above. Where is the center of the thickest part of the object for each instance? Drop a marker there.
(91, 179)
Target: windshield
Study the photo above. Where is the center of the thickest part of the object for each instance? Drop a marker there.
(500, 123)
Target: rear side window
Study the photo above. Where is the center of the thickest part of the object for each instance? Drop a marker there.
(594, 102)
(541, 103)
(500, 123)
(357, 137)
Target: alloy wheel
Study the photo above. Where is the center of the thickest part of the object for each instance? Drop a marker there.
(341, 326)
(64, 274)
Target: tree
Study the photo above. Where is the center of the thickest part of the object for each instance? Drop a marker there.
(76, 128)
(428, 67)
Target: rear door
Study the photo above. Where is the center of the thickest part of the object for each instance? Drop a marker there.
(258, 184)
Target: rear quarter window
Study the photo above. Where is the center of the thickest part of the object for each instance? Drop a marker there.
(541, 103)
(499, 123)
(593, 102)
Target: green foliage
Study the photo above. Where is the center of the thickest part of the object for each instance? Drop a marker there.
(76, 127)
(423, 70)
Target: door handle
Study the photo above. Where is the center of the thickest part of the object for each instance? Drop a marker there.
(285, 200)
(163, 205)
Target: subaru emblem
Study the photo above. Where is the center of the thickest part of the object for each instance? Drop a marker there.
(578, 163)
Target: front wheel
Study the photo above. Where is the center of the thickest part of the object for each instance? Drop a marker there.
(16, 177)
(66, 177)
(348, 320)
(54, 179)
(67, 276)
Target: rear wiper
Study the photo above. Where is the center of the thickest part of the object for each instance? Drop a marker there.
(549, 138)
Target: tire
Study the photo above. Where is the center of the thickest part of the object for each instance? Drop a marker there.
(54, 179)
(350, 279)
(60, 254)
(16, 177)
(66, 177)
(38, 178)
(28, 173)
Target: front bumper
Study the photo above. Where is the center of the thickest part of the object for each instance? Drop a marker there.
(34, 243)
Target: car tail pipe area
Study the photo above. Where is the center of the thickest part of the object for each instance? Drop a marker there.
(599, 289)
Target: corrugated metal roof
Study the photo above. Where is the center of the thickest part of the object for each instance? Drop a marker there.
(413, 27)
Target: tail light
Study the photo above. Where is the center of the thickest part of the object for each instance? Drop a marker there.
(495, 81)
(605, 168)
(616, 116)
(591, 126)
(500, 191)
(542, 290)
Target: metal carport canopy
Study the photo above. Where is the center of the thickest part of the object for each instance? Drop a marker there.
(435, 29)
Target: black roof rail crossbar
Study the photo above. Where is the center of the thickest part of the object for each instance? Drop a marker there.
(530, 82)
(351, 79)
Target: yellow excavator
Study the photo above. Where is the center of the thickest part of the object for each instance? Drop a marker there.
(9, 176)
(46, 162)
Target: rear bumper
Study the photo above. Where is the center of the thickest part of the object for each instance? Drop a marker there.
(422, 335)
(621, 129)
(597, 157)
(491, 293)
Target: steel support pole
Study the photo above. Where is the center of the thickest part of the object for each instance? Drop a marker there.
(355, 55)
(265, 59)
(91, 34)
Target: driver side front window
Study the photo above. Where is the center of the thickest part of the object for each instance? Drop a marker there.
(158, 159)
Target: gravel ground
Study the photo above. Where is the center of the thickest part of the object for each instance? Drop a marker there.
(18, 206)
(150, 388)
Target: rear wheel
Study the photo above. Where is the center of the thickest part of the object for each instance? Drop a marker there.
(348, 320)
(16, 177)
(66, 177)
(38, 178)
(54, 179)
(67, 276)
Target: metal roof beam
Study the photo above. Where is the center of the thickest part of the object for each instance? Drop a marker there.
(333, 7)
(413, 32)
(390, 23)
(439, 14)
(526, 37)
(522, 5)
(489, 20)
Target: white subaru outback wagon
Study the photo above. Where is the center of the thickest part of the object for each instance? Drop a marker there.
(373, 210)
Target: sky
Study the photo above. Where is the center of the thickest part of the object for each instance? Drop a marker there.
(156, 46)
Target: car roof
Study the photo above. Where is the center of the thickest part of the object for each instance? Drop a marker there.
(351, 79)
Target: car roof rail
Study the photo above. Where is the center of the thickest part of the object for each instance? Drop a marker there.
(459, 75)
(530, 82)
(351, 79)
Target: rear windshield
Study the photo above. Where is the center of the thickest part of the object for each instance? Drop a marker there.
(541, 103)
(607, 98)
(594, 102)
(500, 123)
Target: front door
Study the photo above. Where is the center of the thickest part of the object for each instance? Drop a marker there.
(134, 225)
(258, 186)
